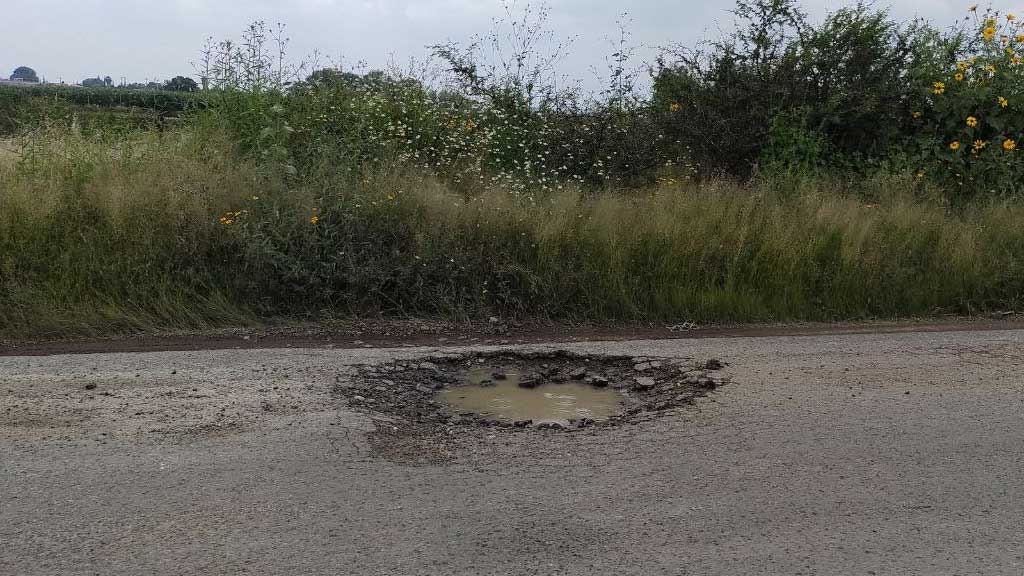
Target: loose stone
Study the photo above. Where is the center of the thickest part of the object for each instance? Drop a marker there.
(643, 383)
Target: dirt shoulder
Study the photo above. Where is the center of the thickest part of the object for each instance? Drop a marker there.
(356, 334)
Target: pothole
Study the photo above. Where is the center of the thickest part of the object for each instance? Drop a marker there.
(510, 396)
(517, 391)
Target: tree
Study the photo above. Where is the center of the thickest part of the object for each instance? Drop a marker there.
(96, 82)
(108, 81)
(25, 74)
(333, 78)
(181, 84)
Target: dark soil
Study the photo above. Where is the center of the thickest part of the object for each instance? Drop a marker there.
(384, 333)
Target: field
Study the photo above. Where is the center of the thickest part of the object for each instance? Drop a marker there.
(339, 195)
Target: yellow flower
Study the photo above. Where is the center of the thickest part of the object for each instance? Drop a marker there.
(973, 8)
(1010, 17)
(1009, 145)
(938, 88)
(988, 33)
(1020, 37)
(470, 124)
(255, 197)
(979, 145)
(1003, 102)
(954, 145)
(990, 69)
(972, 121)
(1009, 52)
(314, 219)
(961, 65)
(990, 21)
(959, 77)
(916, 114)
(920, 174)
(675, 106)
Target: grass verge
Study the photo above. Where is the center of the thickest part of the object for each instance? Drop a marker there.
(175, 231)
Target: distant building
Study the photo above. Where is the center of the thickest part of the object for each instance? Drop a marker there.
(98, 82)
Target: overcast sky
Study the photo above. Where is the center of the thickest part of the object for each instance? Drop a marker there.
(155, 39)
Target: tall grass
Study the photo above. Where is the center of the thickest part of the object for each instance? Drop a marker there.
(174, 230)
(496, 192)
(101, 235)
(722, 251)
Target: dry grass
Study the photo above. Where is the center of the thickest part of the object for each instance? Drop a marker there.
(110, 235)
(727, 251)
(8, 151)
(123, 235)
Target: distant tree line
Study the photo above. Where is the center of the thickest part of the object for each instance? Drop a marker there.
(176, 84)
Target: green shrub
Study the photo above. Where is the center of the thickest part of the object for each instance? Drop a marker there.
(846, 87)
(971, 120)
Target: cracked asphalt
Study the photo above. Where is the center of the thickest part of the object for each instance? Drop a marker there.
(896, 453)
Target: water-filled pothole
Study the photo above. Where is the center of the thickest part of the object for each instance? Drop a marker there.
(497, 392)
(516, 390)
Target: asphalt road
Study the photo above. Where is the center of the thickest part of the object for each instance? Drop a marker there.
(838, 454)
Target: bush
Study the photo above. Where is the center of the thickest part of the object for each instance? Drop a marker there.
(971, 119)
(851, 95)
(723, 96)
(844, 88)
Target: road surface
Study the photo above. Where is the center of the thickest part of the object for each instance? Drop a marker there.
(896, 453)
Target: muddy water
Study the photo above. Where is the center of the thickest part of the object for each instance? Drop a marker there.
(506, 400)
